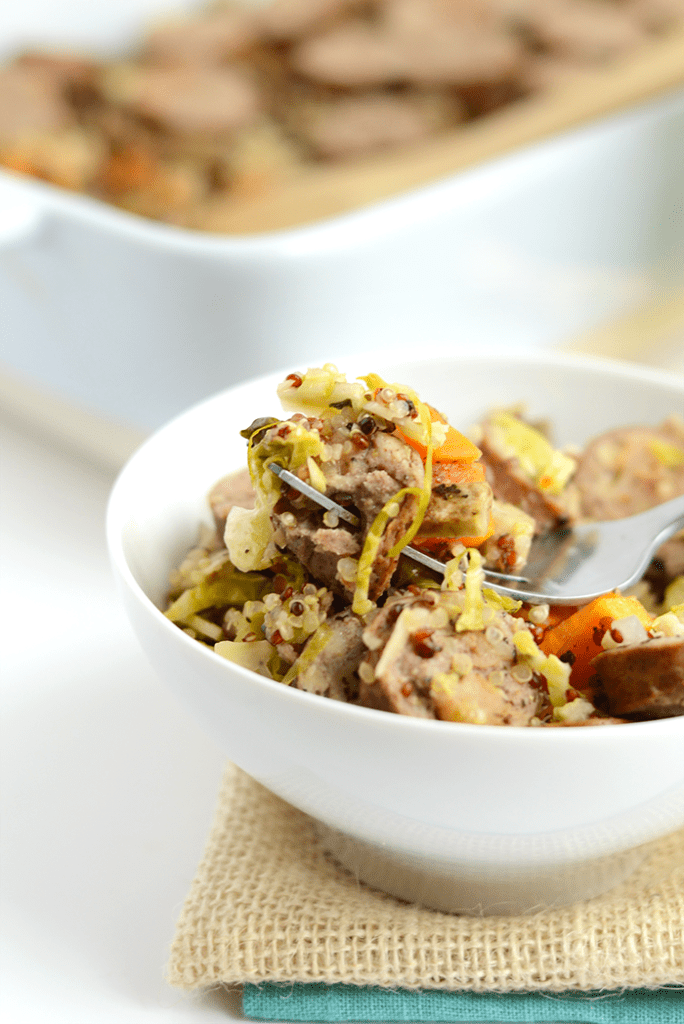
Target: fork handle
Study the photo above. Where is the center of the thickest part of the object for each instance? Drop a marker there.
(612, 541)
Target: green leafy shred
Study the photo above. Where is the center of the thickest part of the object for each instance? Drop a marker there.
(549, 468)
(472, 616)
(231, 588)
(361, 604)
(316, 643)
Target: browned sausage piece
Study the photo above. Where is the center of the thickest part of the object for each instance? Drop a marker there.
(462, 58)
(39, 134)
(631, 469)
(656, 15)
(227, 492)
(419, 667)
(211, 38)
(545, 71)
(642, 680)
(31, 102)
(291, 19)
(671, 556)
(511, 484)
(332, 672)
(455, 43)
(364, 124)
(69, 71)
(366, 479)
(424, 43)
(186, 100)
(586, 30)
(353, 55)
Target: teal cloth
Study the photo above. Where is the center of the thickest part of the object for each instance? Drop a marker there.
(318, 1002)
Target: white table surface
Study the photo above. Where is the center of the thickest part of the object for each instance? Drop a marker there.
(107, 786)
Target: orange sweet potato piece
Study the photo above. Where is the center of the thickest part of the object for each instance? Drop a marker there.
(456, 447)
(580, 634)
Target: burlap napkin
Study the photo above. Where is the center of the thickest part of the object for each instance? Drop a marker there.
(269, 905)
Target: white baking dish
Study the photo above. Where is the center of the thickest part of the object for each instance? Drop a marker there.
(136, 320)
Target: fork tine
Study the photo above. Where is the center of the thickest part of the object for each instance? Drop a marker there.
(313, 494)
(492, 574)
(555, 557)
(418, 556)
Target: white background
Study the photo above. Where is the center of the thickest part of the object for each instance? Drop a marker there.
(107, 787)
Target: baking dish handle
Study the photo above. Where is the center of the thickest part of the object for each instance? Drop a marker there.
(21, 214)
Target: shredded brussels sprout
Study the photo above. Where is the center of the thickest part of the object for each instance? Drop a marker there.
(316, 644)
(555, 671)
(474, 610)
(231, 588)
(549, 468)
(255, 655)
(669, 455)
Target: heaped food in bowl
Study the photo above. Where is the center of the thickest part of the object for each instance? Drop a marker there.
(300, 594)
(230, 101)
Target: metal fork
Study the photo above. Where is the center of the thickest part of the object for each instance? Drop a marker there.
(569, 565)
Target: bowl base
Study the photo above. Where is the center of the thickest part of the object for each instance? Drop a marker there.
(479, 890)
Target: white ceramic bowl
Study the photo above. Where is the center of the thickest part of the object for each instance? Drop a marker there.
(528, 250)
(455, 816)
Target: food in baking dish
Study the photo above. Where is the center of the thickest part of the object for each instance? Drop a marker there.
(227, 102)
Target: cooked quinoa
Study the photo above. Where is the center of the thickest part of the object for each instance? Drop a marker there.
(297, 593)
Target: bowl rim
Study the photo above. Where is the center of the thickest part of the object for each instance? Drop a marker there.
(118, 512)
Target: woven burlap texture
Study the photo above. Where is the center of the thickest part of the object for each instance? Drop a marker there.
(268, 904)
